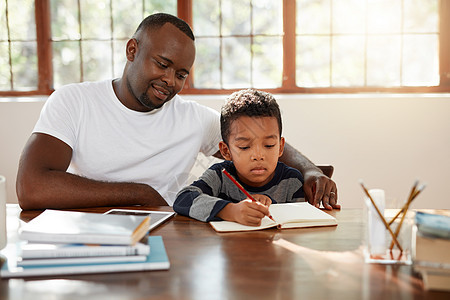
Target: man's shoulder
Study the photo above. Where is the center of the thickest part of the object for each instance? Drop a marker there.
(84, 87)
(86, 84)
(186, 105)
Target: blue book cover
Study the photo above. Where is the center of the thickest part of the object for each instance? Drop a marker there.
(156, 260)
(433, 224)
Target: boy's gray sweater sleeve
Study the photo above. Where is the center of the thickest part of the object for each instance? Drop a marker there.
(200, 199)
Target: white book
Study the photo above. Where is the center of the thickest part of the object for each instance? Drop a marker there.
(286, 215)
(57, 226)
(156, 260)
(39, 250)
(79, 260)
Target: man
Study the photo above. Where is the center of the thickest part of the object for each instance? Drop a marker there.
(132, 140)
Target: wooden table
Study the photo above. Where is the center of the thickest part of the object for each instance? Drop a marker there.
(310, 263)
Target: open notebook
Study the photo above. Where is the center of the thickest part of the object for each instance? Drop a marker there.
(286, 215)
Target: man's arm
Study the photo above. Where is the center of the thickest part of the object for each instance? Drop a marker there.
(42, 181)
(318, 187)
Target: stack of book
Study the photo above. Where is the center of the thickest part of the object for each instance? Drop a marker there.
(431, 244)
(68, 242)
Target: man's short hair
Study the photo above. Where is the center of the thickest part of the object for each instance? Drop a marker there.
(251, 103)
(156, 21)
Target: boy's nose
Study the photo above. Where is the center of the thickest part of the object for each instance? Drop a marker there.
(257, 154)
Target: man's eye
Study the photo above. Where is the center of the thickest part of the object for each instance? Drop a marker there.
(161, 64)
(182, 76)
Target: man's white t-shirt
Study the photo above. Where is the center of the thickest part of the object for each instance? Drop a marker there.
(113, 143)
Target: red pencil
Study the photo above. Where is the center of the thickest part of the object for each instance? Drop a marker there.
(242, 189)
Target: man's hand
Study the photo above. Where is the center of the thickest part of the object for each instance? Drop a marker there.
(320, 188)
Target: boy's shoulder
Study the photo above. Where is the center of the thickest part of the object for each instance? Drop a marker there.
(286, 171)
(226, 164)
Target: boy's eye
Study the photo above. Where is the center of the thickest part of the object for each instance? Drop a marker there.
(243, 147)
(270, 146)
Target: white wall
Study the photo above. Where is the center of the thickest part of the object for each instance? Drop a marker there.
(389, 141)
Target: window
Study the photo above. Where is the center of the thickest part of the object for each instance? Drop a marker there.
(18, 46)
(285, 46)
(89, 36)
(367, 43)
(239, 44)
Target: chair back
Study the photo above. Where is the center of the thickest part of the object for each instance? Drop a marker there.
(326, 169)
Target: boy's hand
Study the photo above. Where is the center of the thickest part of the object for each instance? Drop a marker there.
(246, 212)
(263, 199)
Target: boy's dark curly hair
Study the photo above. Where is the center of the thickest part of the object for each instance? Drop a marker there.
(251, 103)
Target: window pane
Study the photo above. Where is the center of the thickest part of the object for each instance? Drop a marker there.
(207, 69)
(421, 15)
(64, 14)
(349, 16)
(236, 67)
(267, 62)
(156, 6)
(22, 24)
(66, 63)
(5, 76)
(119, 58)
(347, 65)
(384, 16)
(3, 27)
(236, 16)
(272, 22)
(383, 60)
(420, 60)
(95, 19)
(206, 17)
(24, 65)
(313, 61)
(97, 62)
(126, 17)
(313, 17)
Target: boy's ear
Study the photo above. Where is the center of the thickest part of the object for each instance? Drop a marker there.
(281, 146)
(224, 150)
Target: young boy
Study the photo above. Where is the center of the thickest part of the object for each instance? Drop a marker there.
(251, 144)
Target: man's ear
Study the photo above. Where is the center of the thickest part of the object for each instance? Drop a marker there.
(224, 150)
(281, 146)
(131, 49)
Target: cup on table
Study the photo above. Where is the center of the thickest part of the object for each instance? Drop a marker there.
(378, 238)
(2, 212)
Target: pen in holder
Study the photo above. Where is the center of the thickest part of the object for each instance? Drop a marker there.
(388, 238)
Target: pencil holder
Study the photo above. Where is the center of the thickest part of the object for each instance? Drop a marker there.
(380, 246)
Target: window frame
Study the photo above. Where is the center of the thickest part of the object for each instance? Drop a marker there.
(184, 11)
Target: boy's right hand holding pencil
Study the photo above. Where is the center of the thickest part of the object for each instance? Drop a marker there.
(247, 212)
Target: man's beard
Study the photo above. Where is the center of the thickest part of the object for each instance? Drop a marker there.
(145, 101)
